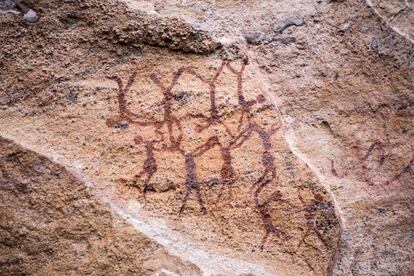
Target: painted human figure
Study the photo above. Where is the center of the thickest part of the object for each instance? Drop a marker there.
(268, 175)
(150, 164)
(362, 163)
(379, 147)
(191, 182)
(263, 209)
(267, 157)
(310, 210)
(227, 173)
(124, 114)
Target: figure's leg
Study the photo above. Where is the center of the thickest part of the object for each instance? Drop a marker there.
(200, 200)
(146, 188)
(304, 237)
(187, 194)
(320, 237)
(137, 176)
(264, 239)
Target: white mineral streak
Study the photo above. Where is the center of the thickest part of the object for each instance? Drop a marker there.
(210, 263)
(31, 16)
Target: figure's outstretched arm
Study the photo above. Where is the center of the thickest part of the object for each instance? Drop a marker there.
(167, 90)
(379, 146)
(123, 111)
(211, 142)
(274, 128)
(241, 138)
(231, 68)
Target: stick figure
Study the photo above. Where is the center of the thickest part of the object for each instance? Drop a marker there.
(310, 210)
(150, 164)
(192, 183)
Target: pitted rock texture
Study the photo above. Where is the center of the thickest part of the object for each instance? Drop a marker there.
(273, 154)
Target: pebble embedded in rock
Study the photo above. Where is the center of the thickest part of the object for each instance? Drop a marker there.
(344, 27)
(282, 25)
(31, 16)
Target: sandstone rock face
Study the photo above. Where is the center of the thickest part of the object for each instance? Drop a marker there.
(52, 224)
(214, 138)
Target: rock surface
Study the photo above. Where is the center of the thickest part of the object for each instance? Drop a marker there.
(291, 154)
(52, 224)
(399, 15)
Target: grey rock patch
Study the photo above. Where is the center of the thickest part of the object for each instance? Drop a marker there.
(6, 5)
(285, 40)
(255, 37)
(282, 25)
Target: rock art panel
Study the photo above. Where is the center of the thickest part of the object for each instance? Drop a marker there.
(170, 143)
(191, 145)
(235, 168)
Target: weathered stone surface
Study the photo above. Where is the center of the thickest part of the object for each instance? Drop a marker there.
(52, 224)
(290, 157)
(398, 14)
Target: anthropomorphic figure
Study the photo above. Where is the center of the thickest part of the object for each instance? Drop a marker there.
(191, 182)
(310, 210)
(150, 164)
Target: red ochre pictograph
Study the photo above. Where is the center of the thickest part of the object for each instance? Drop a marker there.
(362, 164)
(246, 127)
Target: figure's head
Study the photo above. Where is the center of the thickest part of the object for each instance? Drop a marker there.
(110, 122)
(261, 98)
(318, 197)
(138, 140)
